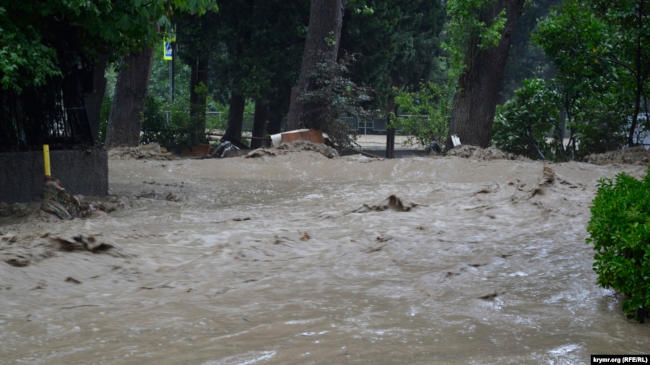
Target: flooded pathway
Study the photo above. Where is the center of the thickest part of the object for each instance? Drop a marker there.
(300, 259)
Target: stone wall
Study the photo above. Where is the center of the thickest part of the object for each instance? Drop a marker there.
(80, 172)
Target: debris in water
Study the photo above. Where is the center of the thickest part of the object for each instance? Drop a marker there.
(383, 238)
(226, 149)
(392, 202)
(375, 249)
(172, 197)
(72, 280)
(305, 237)
(261, 152)
(82, 243)
(548, 176)
(10, 239)
(491, 296)
(161, 286)
(18, 261)
(488, 189)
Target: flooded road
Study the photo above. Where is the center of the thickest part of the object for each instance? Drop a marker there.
(299, 259)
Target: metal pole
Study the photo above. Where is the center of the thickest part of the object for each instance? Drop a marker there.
(171, 75)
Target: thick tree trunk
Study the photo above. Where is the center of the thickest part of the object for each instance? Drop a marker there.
(259, 123)
(125, 120)
(278, 105)
(235, 118)
(323, 36)
(478, 88)
(198, 90)
(94, 99)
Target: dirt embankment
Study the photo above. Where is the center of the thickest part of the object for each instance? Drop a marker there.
(298, 146)
(151, 151)
(632, 156)
(485, 154)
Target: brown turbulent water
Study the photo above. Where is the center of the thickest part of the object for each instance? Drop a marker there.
(295, 260)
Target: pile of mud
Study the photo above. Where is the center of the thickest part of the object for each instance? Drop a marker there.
(151, 151)
(633, 156)
(88, 207)
(478, 153)
(30, 249)
(297, 146)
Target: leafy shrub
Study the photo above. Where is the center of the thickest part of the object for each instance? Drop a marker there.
(619, 229)
(427, 113)
(174, 133)
(523, 123)
(599, 124)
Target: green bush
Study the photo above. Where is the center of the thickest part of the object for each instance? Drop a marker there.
(427, 113)
(619, 229)
(523, 123)
(174, 134)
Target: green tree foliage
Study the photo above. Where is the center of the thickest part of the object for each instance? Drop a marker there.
(398, 43)
(526, 59)
(258, 46)
(480, 32)
(467, 29)
(601, 56)
(424, 113)
(525, 124)
(619, 229)
(258, 51)
(49, 55)
(167, 124)
(37, 36)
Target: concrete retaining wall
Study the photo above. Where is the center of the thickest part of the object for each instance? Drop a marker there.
(80, 172)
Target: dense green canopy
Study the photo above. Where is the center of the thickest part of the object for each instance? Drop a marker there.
(39, 38)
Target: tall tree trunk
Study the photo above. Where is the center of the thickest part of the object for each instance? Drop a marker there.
(125, 119)
(323, 36)
(638, 74)
(478, 88)
(278, 106)
(94, 99)
(198, 90)
(259, 122)
(277, 111)
(235, 118)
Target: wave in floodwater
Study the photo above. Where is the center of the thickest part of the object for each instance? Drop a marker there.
(298, 259)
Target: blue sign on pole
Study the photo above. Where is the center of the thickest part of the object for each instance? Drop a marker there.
(168, 53)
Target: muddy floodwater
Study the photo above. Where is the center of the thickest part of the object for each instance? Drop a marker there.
(301, 259)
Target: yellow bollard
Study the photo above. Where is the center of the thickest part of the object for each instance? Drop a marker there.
(46, 159)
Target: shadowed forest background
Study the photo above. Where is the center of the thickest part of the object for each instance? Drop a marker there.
(548, 79)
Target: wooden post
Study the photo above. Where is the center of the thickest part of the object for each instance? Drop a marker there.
(390, 142)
